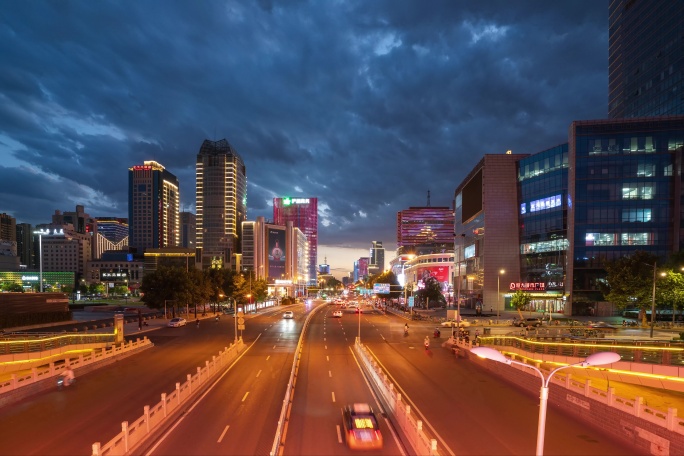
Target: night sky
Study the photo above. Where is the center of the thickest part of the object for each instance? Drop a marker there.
(364, 104)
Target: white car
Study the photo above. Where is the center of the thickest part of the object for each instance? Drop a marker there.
(453, 323)
(288, 314)
(337, 314)
(177, 322)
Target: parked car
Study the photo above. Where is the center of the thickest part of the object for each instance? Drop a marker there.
(525, 322)
(453, 323)
(337, 314)
(361, 427)
(288, 314)
(177, 322)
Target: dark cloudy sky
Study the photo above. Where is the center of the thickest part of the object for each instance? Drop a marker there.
(364, 104)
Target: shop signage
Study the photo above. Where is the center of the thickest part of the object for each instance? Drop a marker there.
(534, 286)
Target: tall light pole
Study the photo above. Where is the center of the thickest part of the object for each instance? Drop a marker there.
(595, 359)
(40, 234)
(501, 272)
(653, 298)
(458, 292)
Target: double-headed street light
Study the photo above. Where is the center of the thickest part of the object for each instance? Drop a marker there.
(40, 234)
(596, 359)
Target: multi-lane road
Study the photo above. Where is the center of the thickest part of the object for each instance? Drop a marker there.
(466, 409)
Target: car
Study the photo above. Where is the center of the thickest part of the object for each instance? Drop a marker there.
(337, 314)
(526, 322)
(358, 310)
(361, 427)
(177, 322)
(453, 324)
(288, 314)
(601, 325)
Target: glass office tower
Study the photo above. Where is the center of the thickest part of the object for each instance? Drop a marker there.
(625, 194)
(645, 58)
(543, 191)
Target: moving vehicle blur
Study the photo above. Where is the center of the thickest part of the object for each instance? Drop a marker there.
(288, 314)
(361, 429)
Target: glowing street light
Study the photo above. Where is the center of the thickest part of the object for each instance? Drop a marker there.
(501, 272)
(595, 359)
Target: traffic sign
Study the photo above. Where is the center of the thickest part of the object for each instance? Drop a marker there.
(241, 327)
(241, 321)
(410, 301)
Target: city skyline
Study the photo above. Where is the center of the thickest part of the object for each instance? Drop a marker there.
(366, 106)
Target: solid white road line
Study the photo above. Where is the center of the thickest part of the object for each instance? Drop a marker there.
(245, 396)
(333, 396)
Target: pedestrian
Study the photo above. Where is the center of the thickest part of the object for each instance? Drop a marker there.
(477, 333)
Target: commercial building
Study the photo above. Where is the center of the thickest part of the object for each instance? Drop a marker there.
(221, 202)
(425, 230)
(116, 268)
(278, 254)
(153, 207)
(109, 233)
(645, 58)
(543, 195)
(64, 250)
(377, 258)
(485, 231)
(624, 194)
(303, 213)
(8, 228)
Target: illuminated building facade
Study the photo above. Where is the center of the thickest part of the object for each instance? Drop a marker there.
(428, 229)
(377, 258)
(109, 233)
(624, 185)
(303, 213)
(153, 207)
(278, 254)
(221, 202)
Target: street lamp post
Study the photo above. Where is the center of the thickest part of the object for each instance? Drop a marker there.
(653, 298)
(40, 234)
(458, 292)
(595, 359)
(497, 294)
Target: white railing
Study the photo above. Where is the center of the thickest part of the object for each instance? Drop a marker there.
(135, 433)
(409, 424)
(57, 366)
(635, 406)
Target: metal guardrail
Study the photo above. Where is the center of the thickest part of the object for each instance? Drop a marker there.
(664, 353)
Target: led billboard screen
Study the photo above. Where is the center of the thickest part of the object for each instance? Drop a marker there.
(276, 253)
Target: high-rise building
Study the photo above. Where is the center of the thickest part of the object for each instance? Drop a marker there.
(109, 233)
(81, 221)
(25, 250)
(645, 58)
(624, 177)
(430, 228)
(303, 213)
(153, 207)
(188, 230)
(221, 202)
(377, 258)
(8, 228)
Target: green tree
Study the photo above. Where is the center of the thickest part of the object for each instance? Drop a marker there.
(96, 288)
(390, 278)
(431, 292)
(120, 290)
(670, 290)
(166, 284)
(629, 281)
(12, 287)
(520, 300)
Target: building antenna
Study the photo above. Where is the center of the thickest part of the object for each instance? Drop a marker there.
(428, 201)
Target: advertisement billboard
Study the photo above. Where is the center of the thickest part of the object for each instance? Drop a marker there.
(381, 288)
(440, 273)
(276, 252)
